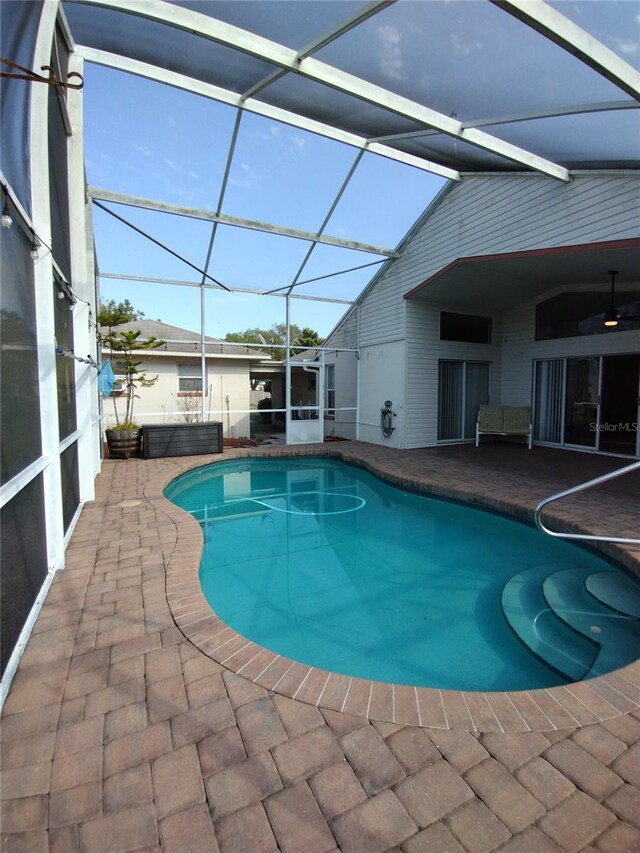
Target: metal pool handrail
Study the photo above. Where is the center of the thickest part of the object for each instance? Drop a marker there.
(635, 466)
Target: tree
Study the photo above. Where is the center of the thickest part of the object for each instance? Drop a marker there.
(308, 339)
(114, 313)
(262, 337)
(300, 339)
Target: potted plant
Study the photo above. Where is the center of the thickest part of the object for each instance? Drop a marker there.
(123, 439)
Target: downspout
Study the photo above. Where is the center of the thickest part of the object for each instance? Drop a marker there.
(203, 356)
(357, 372)
(287, 369)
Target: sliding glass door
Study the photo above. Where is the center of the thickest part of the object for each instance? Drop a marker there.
(463, 386)
(581, 401)
(589, 402)
(619, 400)
(549, 400)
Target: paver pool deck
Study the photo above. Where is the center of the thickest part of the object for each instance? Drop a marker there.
(119, 733)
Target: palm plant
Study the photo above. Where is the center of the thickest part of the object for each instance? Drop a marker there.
(122, 346)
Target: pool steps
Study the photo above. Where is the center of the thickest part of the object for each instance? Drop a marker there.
(620, 593)
(535, 624)
(568, 596)
(551, 610)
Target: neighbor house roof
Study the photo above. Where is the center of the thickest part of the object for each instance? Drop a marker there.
(184, 342)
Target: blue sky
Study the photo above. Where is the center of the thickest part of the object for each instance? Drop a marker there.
(148, 139)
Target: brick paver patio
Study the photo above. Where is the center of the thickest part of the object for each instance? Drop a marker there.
(120, 734)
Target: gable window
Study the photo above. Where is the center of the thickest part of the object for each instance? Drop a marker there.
(467, 328)
(190, 379)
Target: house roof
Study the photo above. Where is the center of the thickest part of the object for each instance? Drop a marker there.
(186, 342)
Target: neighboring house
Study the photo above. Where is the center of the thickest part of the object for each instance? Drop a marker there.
(500, 294)
(177, 394)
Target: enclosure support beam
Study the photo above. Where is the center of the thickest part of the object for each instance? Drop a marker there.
(552, 24)
(287, 367)
(357, 18)
(97, 193)
(232, 289)
(577, 109)
(225, 96)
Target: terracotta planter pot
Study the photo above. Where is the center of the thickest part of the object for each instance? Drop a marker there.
(123, 443)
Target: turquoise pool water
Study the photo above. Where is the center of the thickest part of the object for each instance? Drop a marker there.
(326, 564)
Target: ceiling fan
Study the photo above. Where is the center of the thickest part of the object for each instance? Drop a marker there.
(612, 317)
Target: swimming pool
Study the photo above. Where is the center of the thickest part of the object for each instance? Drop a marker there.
(326, 564)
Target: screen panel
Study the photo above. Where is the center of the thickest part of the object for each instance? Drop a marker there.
(23, 561)
(70, 484)
(20, 399)
(17, 42)
(65, 366)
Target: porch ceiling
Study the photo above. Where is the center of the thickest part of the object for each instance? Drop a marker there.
(500, 282)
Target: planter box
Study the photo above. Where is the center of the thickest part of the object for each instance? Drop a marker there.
(181, 439)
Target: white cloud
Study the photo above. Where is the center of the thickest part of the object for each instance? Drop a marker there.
(629, 46)
(459, 46)
(297, 144)
(144, 150)
(391, 56)
(247, 183)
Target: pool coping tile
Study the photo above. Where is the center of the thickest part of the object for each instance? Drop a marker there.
(564, 707)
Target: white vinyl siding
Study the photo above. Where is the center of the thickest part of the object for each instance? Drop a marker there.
(499, 213)
(381, 371)
(494, 214)
(424, 351)
(482, 215)
(520, 349)
(346, 332)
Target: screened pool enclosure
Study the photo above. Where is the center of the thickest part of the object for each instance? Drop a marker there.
(238, 165)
